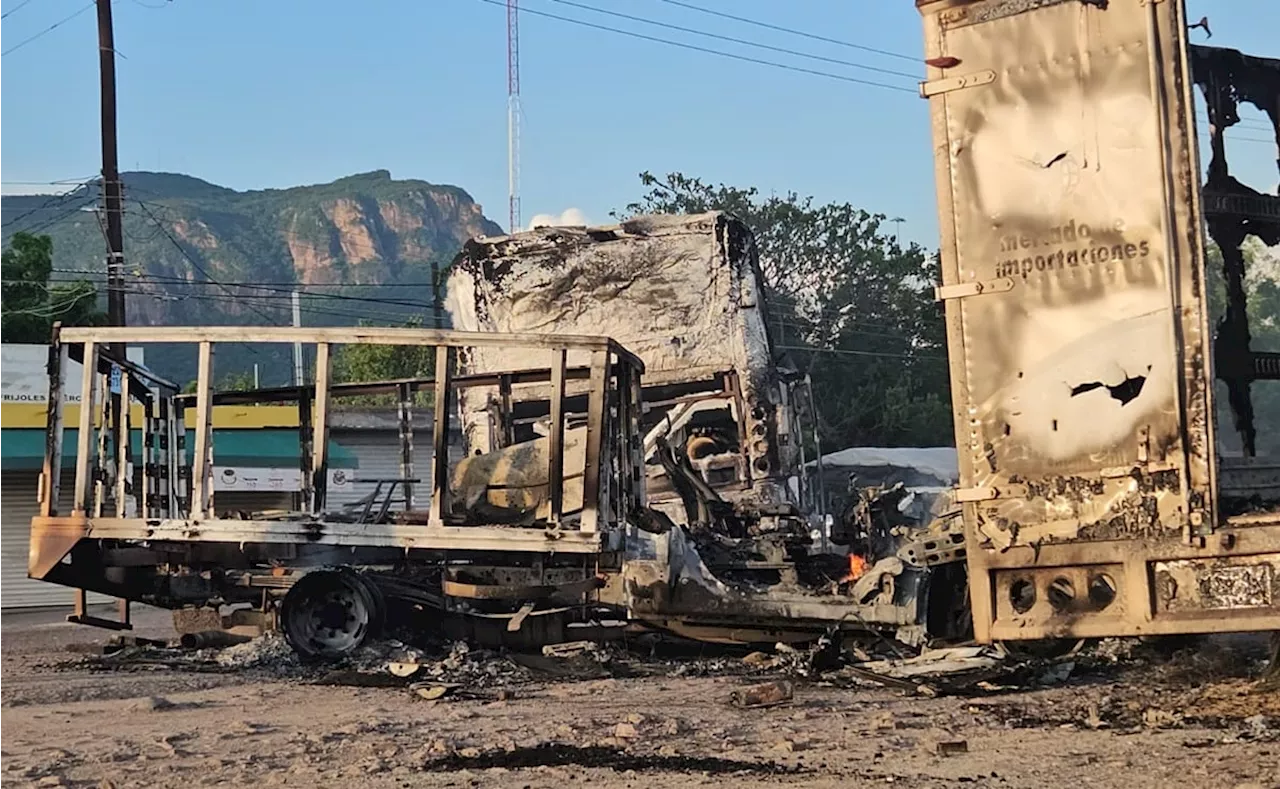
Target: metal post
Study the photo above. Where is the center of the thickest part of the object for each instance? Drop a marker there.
(180, 476)
(320, 449)
(201, 492)
(104, 421)
(406, 442)
(51, 480)
(297, 346)
(304, 450)
(595, 438)
(120, 430)
(555, 451)
(440, 440)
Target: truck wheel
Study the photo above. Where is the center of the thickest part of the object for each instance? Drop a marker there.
(328, 614)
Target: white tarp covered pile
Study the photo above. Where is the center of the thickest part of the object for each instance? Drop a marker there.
(940, 463)
(927, 472)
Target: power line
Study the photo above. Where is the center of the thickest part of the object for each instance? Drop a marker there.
(41, 225)
(282, 294)
(851, 352)
(282, 283)
(194, 264)
(137, 289)
(18, 7)
(62, 182)
(61, 197)
(707, 50)
(46, 31)
(289, 289)
(742, 41)
(792, 31)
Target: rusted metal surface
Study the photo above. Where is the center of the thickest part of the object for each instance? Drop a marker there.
(185, 551)
(1082, 394)
(684, 293)
(728, 544)
(1234, 210)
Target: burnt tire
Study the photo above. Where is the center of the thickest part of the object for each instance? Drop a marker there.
(328, 614)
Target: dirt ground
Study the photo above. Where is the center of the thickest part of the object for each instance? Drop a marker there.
(1200, 718)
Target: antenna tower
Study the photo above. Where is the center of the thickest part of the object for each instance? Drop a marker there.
(513, 115)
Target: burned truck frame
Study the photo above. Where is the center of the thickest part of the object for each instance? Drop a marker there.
(740, 550)
(1096, 500)
(515, 538)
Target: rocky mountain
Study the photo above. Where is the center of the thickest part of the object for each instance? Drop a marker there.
(362, 248)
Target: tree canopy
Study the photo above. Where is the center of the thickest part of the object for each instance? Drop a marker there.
(846, 303)
(29, 304)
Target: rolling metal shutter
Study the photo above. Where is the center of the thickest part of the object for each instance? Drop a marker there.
(18, 506)
(378, 452)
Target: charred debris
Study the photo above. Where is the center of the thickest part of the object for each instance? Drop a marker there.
(663, 477)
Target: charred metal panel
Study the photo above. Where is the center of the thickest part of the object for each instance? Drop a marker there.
(1073, 277)
(1216, 584)
(685, 293)
(1233, 210)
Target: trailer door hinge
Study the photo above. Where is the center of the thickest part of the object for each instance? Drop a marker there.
(935, 87)
(963, 289)
(963, 495)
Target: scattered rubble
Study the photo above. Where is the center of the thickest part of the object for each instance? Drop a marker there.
(270, 649)
(950, 747)
(767, 695)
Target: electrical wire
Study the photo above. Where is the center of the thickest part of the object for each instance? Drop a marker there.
(708, 50)
(792, 31)
(851, 352)
(18, 7)
(46, 31)
(194, 263)
(734, 40)
(61, 197)
(251, 301)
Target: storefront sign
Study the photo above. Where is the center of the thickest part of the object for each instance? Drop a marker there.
(24, 377)
(249, 479)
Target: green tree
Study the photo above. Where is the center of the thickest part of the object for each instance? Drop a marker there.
(357, 363)
(29, 305)
(231, 382)
(1262, 291)
(846, 303)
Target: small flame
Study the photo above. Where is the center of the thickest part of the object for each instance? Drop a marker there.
(857, 566)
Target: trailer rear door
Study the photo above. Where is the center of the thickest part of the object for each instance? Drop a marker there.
(1073, 282)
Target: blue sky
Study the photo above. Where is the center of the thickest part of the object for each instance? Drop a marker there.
(276, 93)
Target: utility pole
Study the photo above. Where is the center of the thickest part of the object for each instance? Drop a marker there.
(297, 346)
(111, 191)
(113, 204)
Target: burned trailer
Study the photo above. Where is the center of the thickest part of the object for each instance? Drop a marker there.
(738, 546)
(505, 546)
(1096, 498)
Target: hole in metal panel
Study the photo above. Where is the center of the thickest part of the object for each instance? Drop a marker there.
(1102, 590)
(1061, 593)
(1022, 595)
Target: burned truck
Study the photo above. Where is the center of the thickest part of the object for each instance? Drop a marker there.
(737, 545)
(506, 544)
(1097, 497)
